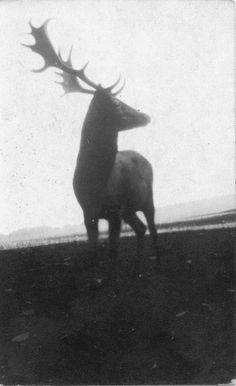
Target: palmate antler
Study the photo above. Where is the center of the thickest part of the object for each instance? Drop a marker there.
(70, 76)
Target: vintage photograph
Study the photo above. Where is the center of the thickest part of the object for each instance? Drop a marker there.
(117, 206)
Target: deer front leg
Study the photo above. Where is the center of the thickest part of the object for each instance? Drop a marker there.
(114, 234)
(139, 228)
(91, 224)
(149, 214)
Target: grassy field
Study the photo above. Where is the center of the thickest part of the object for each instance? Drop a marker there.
(174, 328)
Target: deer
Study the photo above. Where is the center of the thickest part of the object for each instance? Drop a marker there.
(108, 184)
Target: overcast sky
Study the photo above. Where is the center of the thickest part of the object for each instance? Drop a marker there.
(178, 61)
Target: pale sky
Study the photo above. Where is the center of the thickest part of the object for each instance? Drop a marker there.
(178, 61)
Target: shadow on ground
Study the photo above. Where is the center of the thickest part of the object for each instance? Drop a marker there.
(175, 328)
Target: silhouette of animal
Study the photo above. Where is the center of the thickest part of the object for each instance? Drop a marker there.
(108, 184)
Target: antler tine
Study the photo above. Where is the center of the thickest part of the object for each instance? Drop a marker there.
(113, 85)
(81, 74)
(43, 46)
(120, 89)
(66, 66)
(70, 82)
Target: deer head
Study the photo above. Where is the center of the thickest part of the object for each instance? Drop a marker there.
(111, 110)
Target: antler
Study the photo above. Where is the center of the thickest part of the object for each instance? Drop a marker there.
(70, 82)
(44, 47)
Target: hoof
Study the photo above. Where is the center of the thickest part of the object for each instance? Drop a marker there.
(142, 278)
(95, 284)
(159, 272)
(158, 265)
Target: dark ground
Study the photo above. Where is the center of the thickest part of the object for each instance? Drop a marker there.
(175, 328)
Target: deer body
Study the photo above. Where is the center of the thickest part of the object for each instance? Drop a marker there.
(126, 188)
(129, 184)
(105, 179)
(108, 183)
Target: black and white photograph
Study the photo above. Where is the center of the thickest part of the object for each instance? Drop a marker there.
(117, 205)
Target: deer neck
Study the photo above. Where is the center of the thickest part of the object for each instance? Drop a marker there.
(97, 153)
(98, 148)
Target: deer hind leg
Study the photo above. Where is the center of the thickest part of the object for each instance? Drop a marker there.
(150, 214)
(114, 234)
(139, 228)
(91, 224)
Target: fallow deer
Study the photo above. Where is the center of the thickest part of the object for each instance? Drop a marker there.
(108, 184)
